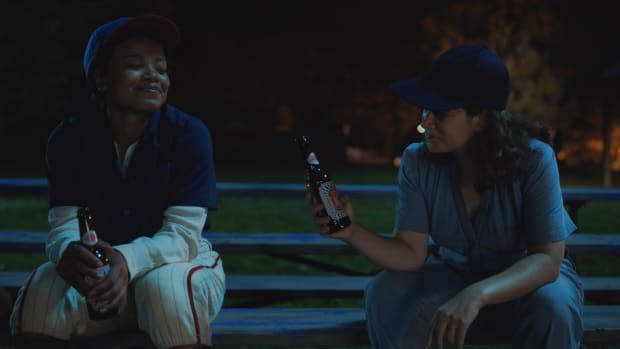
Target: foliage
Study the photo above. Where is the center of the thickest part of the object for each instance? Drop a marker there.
(523, 37)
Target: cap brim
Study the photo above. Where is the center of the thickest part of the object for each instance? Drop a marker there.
(161, 27)
(416, 92)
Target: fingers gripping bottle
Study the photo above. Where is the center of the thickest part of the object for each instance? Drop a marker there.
(88, 238)
(320, 185)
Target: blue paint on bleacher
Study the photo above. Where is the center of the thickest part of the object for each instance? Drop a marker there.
(297, 190)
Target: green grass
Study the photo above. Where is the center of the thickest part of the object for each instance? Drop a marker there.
(23, 212)
(600, 216)
(349, 174)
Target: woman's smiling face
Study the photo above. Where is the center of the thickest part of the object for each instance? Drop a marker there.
(136, 78)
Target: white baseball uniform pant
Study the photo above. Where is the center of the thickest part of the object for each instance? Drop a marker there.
(174, 304)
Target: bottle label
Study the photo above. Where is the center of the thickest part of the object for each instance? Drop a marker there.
(89, 238)
(312, 159)
(329, 196)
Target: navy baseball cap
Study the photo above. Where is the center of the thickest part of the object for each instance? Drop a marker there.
(461, 77)
(109, 34)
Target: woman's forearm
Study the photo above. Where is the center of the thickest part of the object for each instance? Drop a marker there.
(518, 280)
(391, 253)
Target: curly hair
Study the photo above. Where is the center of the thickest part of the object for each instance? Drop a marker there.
(499, 150)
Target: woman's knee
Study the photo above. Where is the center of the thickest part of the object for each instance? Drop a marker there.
(386, 289)
(172, 289)
(429, 286)
(549, 306)
(46, 305)
(176, 303)
(555, 307)
(376, 289)
(550, 317)
(391, 292)
(400, 305)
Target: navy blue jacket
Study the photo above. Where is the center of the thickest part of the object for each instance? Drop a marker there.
(172, 165)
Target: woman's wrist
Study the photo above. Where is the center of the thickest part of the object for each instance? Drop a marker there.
(478, 293)
(125, 265)
(350, 232)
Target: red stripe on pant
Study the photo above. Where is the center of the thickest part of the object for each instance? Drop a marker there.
(191, 295)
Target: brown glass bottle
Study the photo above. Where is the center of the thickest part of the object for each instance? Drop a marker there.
(88, 238)
(320, 184)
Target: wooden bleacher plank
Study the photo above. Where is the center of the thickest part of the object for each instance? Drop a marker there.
(277, 243)
(353, 286)
(245, 189)
(601, 324)
(296, 285)
(314, 243)
(276, 327)
(604, 243)
(22, 241)
(13, 279)
(590, 194)
(256, 242)
(325, 327)
(315, 285)
(295, 243)
(23, 185)
(289, 327)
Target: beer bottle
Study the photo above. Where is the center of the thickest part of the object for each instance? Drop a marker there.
(88, 238)
(320, 185)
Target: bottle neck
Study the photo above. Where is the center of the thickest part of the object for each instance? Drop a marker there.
(89, 238)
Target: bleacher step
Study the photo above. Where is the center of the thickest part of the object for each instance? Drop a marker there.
(326, 327)
(313, 285)
(294, 243)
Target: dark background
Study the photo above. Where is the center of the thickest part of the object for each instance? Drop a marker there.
(258, 72)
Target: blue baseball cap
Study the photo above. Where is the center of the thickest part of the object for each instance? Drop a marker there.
(110, 34)
(463, 76)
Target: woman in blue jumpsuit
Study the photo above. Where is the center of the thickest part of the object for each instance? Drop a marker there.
(487, 192)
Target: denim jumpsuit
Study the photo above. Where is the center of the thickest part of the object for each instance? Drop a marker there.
(528, 211)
